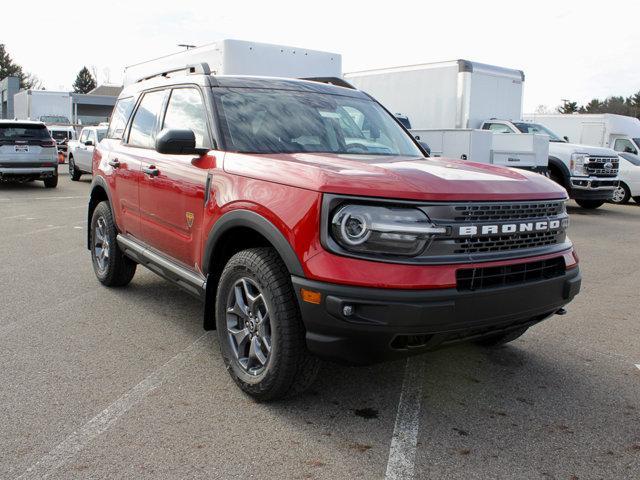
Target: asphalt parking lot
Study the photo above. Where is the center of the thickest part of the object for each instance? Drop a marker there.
(124, 383)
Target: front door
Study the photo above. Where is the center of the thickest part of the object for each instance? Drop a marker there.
(172, 191)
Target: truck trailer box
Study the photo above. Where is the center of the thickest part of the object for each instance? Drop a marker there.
(239, 57)
(618, 132)
(38, 105)
(454, 94)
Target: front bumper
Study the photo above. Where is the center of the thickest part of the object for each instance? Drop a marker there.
(387, 324)
(593, 188)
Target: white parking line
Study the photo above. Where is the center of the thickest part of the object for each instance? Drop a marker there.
(11, 218)
(79, 439)
(402, 452)
(638, 365)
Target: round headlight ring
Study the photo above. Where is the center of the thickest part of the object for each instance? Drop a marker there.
(354, 229)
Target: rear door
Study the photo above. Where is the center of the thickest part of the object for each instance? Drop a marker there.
(172, 197)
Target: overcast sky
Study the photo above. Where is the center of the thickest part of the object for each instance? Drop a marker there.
(567, 49)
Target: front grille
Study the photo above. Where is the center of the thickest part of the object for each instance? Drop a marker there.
(506, 242)
(596, 166)
(507, 211)
(470, 279)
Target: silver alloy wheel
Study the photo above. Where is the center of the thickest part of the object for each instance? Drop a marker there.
(249, 326)
(101, 247)
(618, 194)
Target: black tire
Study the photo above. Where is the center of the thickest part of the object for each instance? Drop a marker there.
(590, 204)
(73, 171)
(116, 270)
(621, 194)
(51, 182)
(636, 199)
(288, 368)
(498, 340)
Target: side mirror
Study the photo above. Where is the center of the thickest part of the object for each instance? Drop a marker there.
(89, 143)
(566, 139)
(425, 147)
(178, 142)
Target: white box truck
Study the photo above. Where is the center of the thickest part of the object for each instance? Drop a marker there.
(439, 98)
(240, 57)
(43, 106)
(619, 132)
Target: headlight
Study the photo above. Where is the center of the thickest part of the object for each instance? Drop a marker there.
(578, 162)
(382, 230)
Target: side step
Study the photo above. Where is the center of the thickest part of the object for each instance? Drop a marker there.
(191, 282)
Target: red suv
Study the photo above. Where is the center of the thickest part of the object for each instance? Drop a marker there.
(313, 225)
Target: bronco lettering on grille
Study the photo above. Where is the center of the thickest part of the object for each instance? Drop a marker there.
(541, 226)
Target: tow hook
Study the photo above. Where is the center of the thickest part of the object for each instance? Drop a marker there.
(561, 311)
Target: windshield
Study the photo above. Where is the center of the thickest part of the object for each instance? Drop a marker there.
(23, 132)
(279, 121)
(537, 128)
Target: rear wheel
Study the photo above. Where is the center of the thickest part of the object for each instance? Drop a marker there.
(621, 194)
(260, 331)
(51, 182)
(590, 204)
(110, 265)
(497, 340)
(73, 170)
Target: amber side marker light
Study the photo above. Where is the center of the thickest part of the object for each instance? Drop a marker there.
(310, 296)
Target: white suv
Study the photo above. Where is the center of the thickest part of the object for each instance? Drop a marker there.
(27, 152)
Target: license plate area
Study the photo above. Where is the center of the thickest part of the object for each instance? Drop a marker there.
(22, 148)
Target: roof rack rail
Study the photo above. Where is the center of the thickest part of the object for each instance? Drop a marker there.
(191, 69)
(339, 82)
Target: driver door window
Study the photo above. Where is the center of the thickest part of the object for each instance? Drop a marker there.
(145, 120)
(624, 145)
(498, 128)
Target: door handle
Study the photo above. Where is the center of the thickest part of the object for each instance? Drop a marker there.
(114, 163)
(151, 170)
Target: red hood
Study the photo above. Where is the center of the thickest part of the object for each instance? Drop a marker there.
(411, 178)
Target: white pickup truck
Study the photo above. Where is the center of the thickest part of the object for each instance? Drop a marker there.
(80, 152)
(589, 174)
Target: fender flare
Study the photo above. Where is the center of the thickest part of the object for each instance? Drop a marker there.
(246, 218)
(96, 182)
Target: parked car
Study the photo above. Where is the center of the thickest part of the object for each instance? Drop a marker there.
(264, 198)
(27, 152)
(590, 174)
(629, 179)
(81, 150)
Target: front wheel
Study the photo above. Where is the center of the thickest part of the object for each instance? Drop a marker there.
(590, 204)
(260, 331)
(111, 266)
(621, 194)
(73, 170)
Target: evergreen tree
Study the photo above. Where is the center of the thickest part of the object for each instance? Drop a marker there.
(10, 69)
(568, 107)
(84, 81)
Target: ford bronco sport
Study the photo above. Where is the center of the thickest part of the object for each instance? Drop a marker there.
(313, 226)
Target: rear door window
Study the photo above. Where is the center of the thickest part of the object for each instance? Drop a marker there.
(145, 120)
(497, 128)
(120, 117)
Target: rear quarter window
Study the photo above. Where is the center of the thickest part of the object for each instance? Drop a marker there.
(18, 131)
